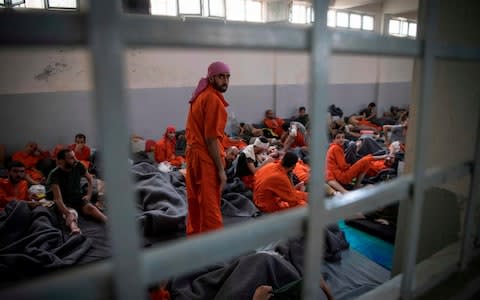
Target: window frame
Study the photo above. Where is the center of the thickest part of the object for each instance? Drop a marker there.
(401, 21)
(200, 14)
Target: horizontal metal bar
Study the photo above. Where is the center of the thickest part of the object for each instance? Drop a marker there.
(440, 175)
(361, 42)
(156, 31)
(368, 199)
(190, 254)
(449, 51)
(84, 279)
(68, 28)
(37, 28)
(178, 257)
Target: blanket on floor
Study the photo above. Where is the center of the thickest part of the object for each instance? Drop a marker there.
(32, 243)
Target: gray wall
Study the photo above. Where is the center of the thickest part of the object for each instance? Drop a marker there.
(54, 118)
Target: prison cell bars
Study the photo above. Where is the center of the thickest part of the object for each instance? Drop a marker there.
(129, 271)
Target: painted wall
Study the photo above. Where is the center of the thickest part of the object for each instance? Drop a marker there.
(51, 88)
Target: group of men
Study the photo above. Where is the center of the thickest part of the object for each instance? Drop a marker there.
(33, 169)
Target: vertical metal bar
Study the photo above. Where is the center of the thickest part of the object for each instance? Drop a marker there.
(423, 125)
(468, 225)
(111, 106)
(319, 62)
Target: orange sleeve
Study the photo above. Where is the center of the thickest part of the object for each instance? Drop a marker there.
(214, 115)
(339, 157)
(160, 151)
(282, 187)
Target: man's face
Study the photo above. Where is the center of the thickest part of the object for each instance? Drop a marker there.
(301, 112)
(32, 147)
(232, 154)
(220, 82)
(171, 135)
(16, 174)
(80, 142)
(269, 114)
(339, 139)
(69, 161)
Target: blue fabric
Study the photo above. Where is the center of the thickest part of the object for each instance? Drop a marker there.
(372, 247)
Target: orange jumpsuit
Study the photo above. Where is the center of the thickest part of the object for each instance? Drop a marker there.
(302, 171)
(207, 118)
(228, 142)
(83, 155)
(275, 124)
(375, 167)
(30, 161)
(338, 169)
(273, 190)
(299, 141)
(165, 151)
(10, 192)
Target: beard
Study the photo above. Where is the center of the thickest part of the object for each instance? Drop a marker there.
(220, 88)
(69, 166)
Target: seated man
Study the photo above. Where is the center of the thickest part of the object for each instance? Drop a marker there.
(64, 182)
(231, 155)
(273, 189)
(339, 172)
(82, 151)
(272, 122)
(248, 161)
(165, 149)
(30, 157)
(294, 136)
(302, 117)
(15, 187)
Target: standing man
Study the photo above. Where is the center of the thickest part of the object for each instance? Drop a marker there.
(205, 132)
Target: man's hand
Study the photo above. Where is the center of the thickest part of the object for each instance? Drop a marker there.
(300, 186)
(87, 198)
(223, 180)
(263, 292)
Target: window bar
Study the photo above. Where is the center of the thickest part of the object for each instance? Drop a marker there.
(468, 226)
(319, 58)
(110, 103)
(423, 125)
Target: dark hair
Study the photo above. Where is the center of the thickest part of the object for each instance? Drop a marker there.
(289, 159)
(268, 111)
(62, 154)
(242, 124)
(15, 164)
(371, 104)
(81, 136)
(285, 126)
(301, 108)
(338, 132)
(263, 139)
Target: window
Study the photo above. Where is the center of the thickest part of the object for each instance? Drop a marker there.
(163, 7)
(65, 4)
(331, 18)
(216, 8)
(342, 19)
(189, 7)
(355, 21)
(244, 10)
(412, 29)
(402, 28)
(367, 23)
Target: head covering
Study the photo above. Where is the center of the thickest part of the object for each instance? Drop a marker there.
(215, 68)
(258, 143)
(37, 192)
(170, 129)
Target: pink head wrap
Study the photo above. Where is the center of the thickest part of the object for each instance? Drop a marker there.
(215, 68)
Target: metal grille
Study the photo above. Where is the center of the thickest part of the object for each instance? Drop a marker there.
(107, 32)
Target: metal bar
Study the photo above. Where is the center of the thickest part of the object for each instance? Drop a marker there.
(84, 281)
(437, 176)
(21, 28)
(363, 42)
(368, 199)
(319, 62)
(451, 51)
(111, 108)
(37, 28)
(468, 225)
(144, 30)
(423, 125)
(178, 257)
